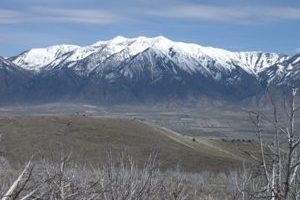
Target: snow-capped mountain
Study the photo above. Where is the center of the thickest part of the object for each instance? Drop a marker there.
(149, 69)
(283, 73)
(190, 57)
(36, 59)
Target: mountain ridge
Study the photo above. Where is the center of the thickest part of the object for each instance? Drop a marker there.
(120, 43)
(155, 69)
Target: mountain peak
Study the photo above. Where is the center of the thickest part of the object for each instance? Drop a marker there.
(196, 57)
(119, 39)
(37, 58)
(147, 67)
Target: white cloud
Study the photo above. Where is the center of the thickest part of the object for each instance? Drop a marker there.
(11, 16)
(59, 15)
(234, 14)
(198, 12)
(298, 50)
(141, 11)
(92, 16)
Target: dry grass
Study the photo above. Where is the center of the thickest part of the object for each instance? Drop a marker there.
(89, 138)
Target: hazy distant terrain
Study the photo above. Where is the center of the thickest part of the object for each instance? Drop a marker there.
(229, 123)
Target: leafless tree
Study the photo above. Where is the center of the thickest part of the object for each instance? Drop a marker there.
(18, 186)
(278, 177)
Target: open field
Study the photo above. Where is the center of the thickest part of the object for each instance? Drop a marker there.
(229, 123)
(89, 138)
(209, 146)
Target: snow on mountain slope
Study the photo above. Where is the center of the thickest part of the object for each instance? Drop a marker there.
(190, 57)
(259, 61)
(142, 69)
(8, 66)
(283, 73)
(4, 62)
(36, 59)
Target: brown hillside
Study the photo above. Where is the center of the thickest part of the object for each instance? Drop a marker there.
(89, 138)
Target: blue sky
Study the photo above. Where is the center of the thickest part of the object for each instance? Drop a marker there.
(239, 25)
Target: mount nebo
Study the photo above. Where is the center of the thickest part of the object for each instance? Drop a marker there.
(125, 70)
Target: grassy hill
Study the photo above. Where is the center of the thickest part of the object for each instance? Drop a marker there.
(89, 138)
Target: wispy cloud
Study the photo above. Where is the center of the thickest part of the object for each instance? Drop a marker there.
(93, 16)
(59, 15)
(232, 14)
(11, 16)
(141, 11)
(198, 12)
(298, 50)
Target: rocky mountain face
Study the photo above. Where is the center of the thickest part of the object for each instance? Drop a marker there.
(129, 70)
(285, 73)
(14, 81)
